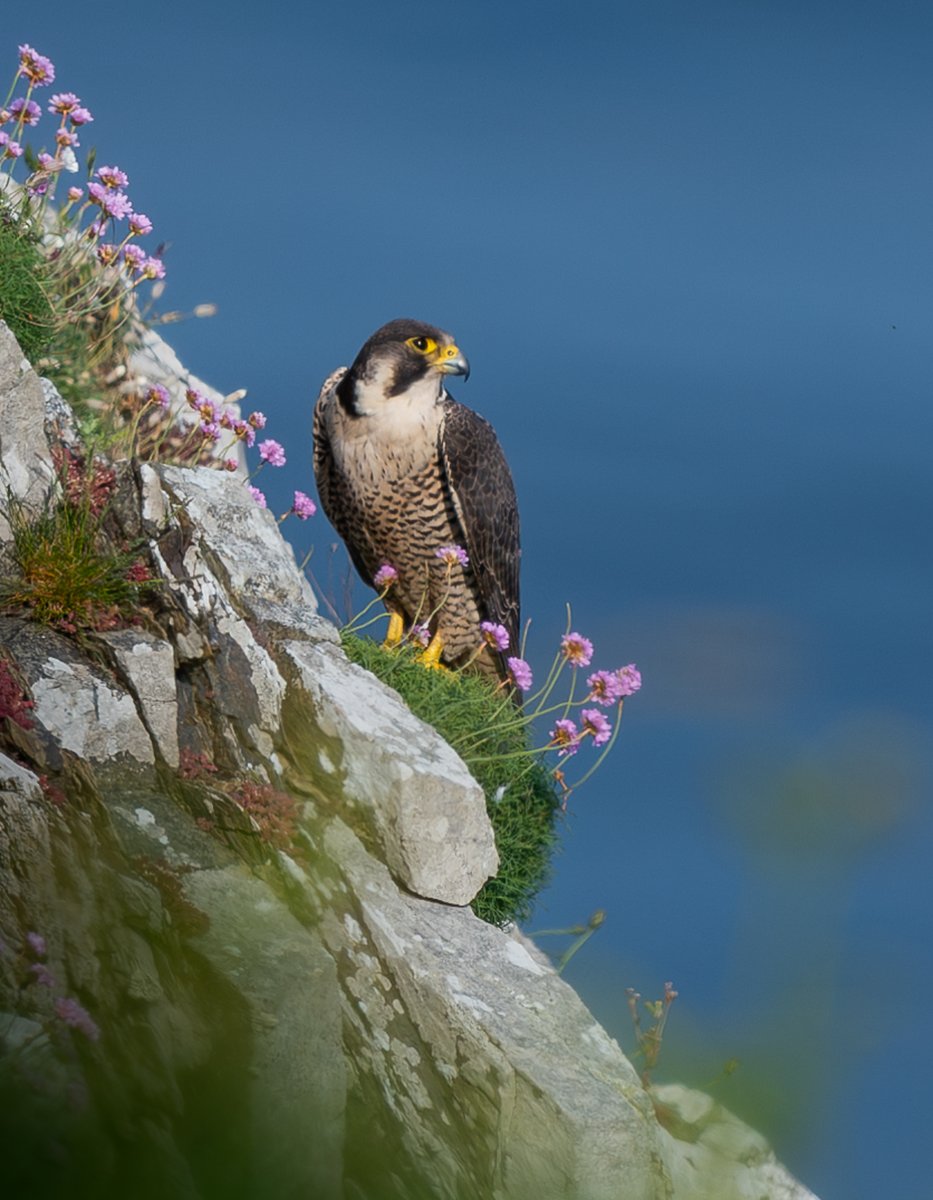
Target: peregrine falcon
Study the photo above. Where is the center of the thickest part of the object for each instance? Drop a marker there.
(402, 471)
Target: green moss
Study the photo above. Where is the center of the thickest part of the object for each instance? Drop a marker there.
(493, 738)
(24, 300)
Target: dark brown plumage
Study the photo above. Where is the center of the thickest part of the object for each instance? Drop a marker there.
(403, 469)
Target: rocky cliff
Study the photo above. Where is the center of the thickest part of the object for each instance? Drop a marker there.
(235, 954)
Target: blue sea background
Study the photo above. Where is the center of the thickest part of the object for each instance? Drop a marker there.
(687, 248)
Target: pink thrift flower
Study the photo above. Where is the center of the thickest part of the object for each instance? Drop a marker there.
(116, 205)
(36, 943)
(596, 724)
(140, 224)
(230, 464)
(519, 673)
(257, 496)
(75, 194)
(271, 452)
(157, 394)
(80, 116)
(42, 975)
(35, 67)
(77, 1017)
(208, 410)
(496, 636)
(107, 253)
(26, 111)
(452, 555)
(420, 634)
(153, 269)
(63, 102)
(629, 680)
(210, 431)
(112, 177)
(64, 137)
(47, 162)
(577, 649)
(385, 577)
(605, 687)
(98, 193)
(257, 420)
(244, 432)
(565, 737)
(134, 257)
(11, 149)
(303, 506)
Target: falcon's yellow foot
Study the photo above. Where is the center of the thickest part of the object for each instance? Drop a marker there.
(394, 632)
(431, 658)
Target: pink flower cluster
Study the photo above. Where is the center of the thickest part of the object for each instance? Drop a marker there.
(106, 203)
(566, 738)
(605, 689)
(35, 67)
(68, 1010)
(215, 417)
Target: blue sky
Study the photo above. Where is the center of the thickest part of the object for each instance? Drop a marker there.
(687, 249)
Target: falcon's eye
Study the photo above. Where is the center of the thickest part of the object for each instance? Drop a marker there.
(424, 345)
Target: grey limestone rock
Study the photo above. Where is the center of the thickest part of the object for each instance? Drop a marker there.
(424, 809)
(86, 713)
(711, 1155)
(197, 506)
(26, 470)
(463, 1026)
(148, 664)
(239, 542)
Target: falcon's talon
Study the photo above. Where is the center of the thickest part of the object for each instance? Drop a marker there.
(431, 658)
(395, 632)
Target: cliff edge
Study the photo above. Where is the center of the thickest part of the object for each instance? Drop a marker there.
(236, 957)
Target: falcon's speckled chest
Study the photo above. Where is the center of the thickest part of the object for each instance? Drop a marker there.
(388, 463)
(385, 449)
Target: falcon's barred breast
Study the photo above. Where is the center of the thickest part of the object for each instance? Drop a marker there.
(402, 470)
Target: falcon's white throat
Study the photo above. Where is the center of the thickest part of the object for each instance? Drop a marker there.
(387, 436)
(418, 408)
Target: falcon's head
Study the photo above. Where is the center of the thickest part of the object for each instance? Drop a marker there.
(402, 359)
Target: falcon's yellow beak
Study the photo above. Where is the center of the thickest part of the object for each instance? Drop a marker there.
(451, 360)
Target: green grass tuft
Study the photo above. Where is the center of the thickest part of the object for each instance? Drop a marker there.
(493, 739)
(24, 300)
(68, 575)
